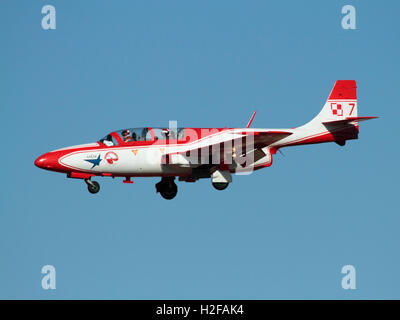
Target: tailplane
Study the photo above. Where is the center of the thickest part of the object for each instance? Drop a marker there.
(338, 120)
(341, 106)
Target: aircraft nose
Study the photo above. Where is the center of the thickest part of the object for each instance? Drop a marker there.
(47, 161)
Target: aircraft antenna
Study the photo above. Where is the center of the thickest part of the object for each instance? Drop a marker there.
(251, 119)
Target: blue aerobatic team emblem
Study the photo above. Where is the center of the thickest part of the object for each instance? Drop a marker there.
(95, 162)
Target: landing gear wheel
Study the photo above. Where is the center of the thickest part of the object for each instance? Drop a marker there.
(167, 188)
(93, 186)
(220, 185)
(169, 192)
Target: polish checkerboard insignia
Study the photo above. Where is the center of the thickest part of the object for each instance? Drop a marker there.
(336, 109)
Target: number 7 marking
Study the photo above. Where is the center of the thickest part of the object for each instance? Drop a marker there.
(352, 108)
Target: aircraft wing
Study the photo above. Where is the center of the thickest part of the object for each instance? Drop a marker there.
(235, 143)
(266, 138)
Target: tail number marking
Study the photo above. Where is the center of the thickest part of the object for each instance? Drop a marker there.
(352, 108)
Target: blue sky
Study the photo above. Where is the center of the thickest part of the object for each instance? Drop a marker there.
(281, 233)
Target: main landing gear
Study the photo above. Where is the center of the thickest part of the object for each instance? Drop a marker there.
(167, 188)
(220, 185)
(93, 186)
(220, 179)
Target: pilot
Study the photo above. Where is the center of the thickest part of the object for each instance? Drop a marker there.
(126, 136)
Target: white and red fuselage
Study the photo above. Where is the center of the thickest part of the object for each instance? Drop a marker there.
(194, 153)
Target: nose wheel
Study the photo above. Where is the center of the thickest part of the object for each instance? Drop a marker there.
(167, 188)
(93, 186)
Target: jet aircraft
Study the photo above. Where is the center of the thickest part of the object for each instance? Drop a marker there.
(196, 153)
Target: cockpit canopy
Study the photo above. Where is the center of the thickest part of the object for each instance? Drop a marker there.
(109, 140)
(135, 134)
(165, 133)
(141, 134)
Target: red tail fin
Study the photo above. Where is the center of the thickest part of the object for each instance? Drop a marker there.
(344, 89)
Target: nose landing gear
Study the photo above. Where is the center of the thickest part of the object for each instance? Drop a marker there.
(167, 188)
(93, 186)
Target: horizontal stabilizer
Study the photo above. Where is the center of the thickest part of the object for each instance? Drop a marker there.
(349, 119)
(361, 118)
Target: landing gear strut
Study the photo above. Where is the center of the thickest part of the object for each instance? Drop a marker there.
(93, 186)
(167, 188)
